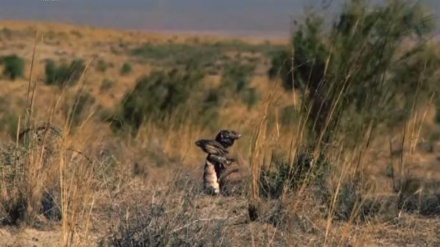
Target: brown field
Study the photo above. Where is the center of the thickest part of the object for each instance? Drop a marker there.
(153, 179)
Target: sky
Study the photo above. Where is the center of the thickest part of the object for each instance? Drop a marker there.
(267, 17)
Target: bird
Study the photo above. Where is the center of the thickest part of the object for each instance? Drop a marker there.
(218, 158)
(212, 147)
(227, 137)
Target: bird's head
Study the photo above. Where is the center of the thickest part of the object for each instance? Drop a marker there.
(227, 137)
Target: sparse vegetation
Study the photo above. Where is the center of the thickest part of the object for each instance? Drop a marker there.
(203, 55)
(332, 151)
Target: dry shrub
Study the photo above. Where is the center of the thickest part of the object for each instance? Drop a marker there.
(26, 169)
(173, 218)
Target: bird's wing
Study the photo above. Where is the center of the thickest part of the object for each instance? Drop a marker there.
(211, 147)
(221, 159)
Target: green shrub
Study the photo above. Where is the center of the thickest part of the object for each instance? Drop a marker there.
(76, 33)
(13, 66)
(77, 111)
(106, 85)
(288, 115)
(6, 32)
(102, 66)
(358, 66)
(212, 102)
(251, 97)
(64, 74)
(236, 77)
(235, 82)
(126, 69)
(158, 96)
(281, 67)
(51, 71)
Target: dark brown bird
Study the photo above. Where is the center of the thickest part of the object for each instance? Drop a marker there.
(212, 147)
(218, 159)
(227, 137)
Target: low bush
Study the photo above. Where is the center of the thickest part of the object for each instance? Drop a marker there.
(64, 75)
(76, 111)
(13, 66)
(157, 97)
(126, 69)
(357, 68)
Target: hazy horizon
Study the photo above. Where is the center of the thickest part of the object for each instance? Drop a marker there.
(240, 17)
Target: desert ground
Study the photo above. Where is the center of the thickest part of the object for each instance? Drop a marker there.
(112, 173)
